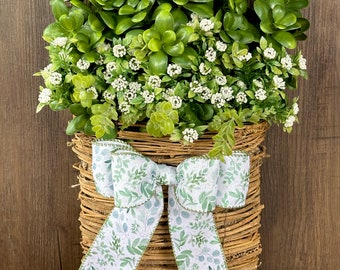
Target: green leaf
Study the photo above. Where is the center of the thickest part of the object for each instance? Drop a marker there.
(175, 50)
(76, 109)
(58, 8)
(139, 17)
(126, 10)
(123, 25)
(164, 21)
(108, 19)
(169, 37)
(95, 23)
(286, 39)
(154, 45)
(158, 63)
(204, 10)
(67, 22)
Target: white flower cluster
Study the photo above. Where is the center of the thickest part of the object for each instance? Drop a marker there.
(241, 97)
(190, 135)
(204, 70)
(119, 51)
(154, 81)
(45, 95)
(245, 57)
(206, 25)
(174, 70)
(269, 53)
(286, 62)
(210, 54)
(120, 83)
(279, 83)
(59, 41)
(55, 78)
(148, 97)
(83, 64)
(221, 46)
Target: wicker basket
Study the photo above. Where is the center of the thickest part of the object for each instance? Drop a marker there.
(238, 228)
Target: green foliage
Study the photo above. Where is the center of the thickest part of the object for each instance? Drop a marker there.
(180, 67)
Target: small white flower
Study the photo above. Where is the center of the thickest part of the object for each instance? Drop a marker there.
(168, 93)
(204, 70)
(124, 107)
(302, 62)
(119, 50)
(94, 92)
(134, 64)
(260, 94)
(241, 84)
(174, 70)
(210, 54)
(55, 78)
(135, 86)
(111, 66)
(218, 100)
(59, 41)
(221, 46)
(108, 96)
(295, 108)
(190, 135)
(100, 61)
(148, 97)
(221, 80)
(130, 95)
(206, 25)
(175, 101)
(83, 64)
(279, 83)
(241, 97)
(45, 95)
(289, 121)
(286, 62)
(154, 81)
(269, 53)
(120, 83)
(245, 57)
(107, 76)
(196, 87)
(258, 83)
(227, 93)
(206, 93)
(48, 68)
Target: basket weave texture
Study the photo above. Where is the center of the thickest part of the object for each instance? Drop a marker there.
(238, 229)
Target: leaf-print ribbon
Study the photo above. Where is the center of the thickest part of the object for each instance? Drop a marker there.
(196, 187)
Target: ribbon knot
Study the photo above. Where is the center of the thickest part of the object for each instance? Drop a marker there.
(196, 187)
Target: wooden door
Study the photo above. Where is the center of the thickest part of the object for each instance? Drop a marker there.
(39, 207)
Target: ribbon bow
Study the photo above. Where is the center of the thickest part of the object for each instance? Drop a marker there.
(196, 187)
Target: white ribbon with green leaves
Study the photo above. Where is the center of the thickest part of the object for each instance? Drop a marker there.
(196, 187)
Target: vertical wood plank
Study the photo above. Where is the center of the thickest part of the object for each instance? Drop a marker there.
(300, 184)
(39, 209)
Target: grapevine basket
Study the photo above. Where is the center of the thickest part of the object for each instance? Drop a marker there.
(238, 229)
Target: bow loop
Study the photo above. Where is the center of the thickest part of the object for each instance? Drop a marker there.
(101, 164)
(134, 178)
(197, 184)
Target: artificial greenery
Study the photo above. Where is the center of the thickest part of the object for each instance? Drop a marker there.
(182, 67)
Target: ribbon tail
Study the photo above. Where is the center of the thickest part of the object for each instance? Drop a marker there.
(124, 236)
(194, 238)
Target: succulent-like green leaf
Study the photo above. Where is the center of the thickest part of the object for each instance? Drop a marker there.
(286, 39)
(158, 63)
(58, 8)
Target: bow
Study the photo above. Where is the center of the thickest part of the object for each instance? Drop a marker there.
(196, 187)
